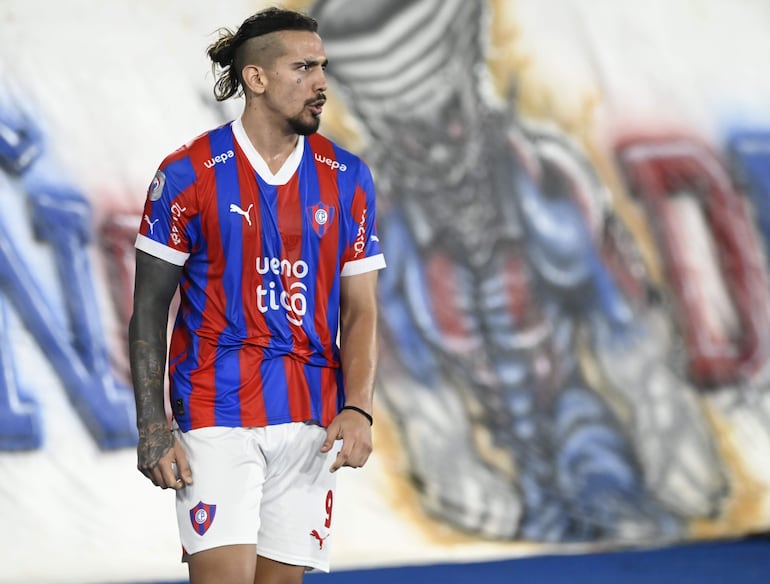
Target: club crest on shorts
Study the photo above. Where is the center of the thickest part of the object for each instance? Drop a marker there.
(321, 217)
(202, 516)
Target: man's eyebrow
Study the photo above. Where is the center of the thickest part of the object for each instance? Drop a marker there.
(312, 62)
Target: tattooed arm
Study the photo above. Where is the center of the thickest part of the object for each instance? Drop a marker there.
(157, 451)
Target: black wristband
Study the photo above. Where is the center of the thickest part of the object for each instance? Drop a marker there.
(364, 413)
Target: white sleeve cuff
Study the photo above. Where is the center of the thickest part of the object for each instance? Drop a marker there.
(364, 265)
(161, 251)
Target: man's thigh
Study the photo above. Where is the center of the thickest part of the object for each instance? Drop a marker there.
(221, 507)
(234, 564)
(264, 489)
(296, 517)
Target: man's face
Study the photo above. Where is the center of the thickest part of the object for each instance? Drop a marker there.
(297, 82)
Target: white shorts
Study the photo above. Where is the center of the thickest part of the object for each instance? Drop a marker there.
(265, 486)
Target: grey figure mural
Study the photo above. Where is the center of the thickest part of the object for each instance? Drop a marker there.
(496, 232)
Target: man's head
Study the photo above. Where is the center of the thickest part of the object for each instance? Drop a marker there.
(275, 54)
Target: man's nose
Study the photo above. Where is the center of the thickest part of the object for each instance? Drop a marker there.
(320, 81)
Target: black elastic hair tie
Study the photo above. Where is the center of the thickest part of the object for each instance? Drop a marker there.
(364, 413)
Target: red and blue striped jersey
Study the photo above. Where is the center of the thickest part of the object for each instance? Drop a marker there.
(255, 338)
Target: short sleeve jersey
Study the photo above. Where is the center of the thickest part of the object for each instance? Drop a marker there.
(255, 338)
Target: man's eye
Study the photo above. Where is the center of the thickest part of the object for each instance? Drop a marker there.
(304, 67)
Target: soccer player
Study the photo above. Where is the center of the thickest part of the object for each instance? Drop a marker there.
(268, 230)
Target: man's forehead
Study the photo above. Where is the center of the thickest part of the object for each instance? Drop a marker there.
(301, 44)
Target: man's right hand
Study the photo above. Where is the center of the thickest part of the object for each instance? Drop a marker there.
(161, 458)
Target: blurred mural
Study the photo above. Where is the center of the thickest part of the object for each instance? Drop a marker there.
(575, 314)
(71, 335)
(545, 385)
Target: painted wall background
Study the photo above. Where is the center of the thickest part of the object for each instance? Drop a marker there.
(574, 206)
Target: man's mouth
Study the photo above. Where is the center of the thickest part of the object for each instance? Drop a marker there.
(317, 106)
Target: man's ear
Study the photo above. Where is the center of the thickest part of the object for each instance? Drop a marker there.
(254, 78)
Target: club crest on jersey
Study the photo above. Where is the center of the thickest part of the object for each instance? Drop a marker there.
(156, 186)
(321, 217)
(202, 516)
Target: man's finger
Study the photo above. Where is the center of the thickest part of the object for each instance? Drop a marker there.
(339, 462)
(358, 460)
(156, 476)
(164, 473)
(183, 471)
(176, 482)
(331, 436)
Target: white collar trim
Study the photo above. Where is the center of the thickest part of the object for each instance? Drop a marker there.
(286, 171)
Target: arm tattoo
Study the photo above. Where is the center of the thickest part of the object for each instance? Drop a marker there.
(148, 363)
(155, 284)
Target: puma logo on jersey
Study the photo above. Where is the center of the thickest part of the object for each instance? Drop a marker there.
(236, 209)
(150, 223)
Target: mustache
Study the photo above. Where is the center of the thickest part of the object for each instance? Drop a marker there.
(319, 99)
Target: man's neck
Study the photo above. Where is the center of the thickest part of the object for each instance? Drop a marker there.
(273, 145)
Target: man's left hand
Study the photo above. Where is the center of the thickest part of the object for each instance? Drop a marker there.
(356, 435)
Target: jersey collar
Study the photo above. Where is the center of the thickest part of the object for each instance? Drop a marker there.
(286, 171)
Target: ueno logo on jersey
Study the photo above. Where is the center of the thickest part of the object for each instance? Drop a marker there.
(293, 300)
(223, 158)
(333, 164)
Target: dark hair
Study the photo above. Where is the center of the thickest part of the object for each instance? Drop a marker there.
(227, 52)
